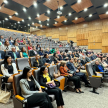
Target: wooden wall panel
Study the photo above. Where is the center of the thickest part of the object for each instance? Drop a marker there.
(54, 36)
(72, 39)
(105, 25)
(105, 39)
(105, 49)
(95, 45)
(61, 38)
(82, 42)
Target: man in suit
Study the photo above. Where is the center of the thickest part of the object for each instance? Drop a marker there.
(71, 67)
(14, 54)
(37, 62)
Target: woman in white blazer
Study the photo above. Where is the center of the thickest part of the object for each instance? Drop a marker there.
(8, 69)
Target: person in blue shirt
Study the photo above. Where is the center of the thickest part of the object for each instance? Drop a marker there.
(41, 52)
(47, 51)
(71, 67)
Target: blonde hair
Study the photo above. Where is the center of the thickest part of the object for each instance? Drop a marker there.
(63, 63)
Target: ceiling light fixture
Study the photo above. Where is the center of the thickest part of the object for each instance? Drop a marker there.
(61, 7)
(55, 22)
(58, 16)
(6, 19)
(48, 11)
(76, 18)
(106, 5)
(79, 1)
(35, 4)
(47, 24)
(39, 21)
(69, 14)
(33, 23)
(18, 22)
(90, 15)
(85, 9)
(22, 20)
(48, 19)
(24, 9)
(29, 18)
(37, 15)
(10, 16)
(65, 20)
(59, 12)
(16, 13)
(5, 1)
(107, 12)
(28, 24)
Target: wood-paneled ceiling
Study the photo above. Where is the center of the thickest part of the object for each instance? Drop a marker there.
(47, 9)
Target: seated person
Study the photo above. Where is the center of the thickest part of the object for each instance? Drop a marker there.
(46, 60)
(2, 39)
(47, 51)
(23, 53)
(38, 47)
(92, 56)
(8, 69)
(65, 56)
(6, 46)
(57, 51)
(16, 46)
(37, 62)
(98, 67)
(71, 67)
(53, 51)
(77, 54)
(70, 54)
(61, 56)
(41, 52)
(75, 62)
(104, 62)
(56, 58)
(31, 90)
(34, 49)
(71, 77)
(14, 54)
(79, 63)
(56, 75)
(30, 46)
(45, 79)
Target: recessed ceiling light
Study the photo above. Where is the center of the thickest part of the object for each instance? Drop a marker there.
(48, 19)
(28, 24)
(41, 25)
(0, 21)
(18, 22)
(29, 18)
(78, 1)
(55, 22)
(16, 13)
(48, 0)
(33, 23)
(10, 16)
(90, 15)
(58, 16)
(106, 4)
(6, 18)
(37, 15)
(0, 7)
(39, 21)
(85, 9)
(65, 20)
(107, 12)
(21, 27)
(15, 23)
(47, 24)
(22, 20)
(5, 1)
(76, 18)
(48, 11)
(24, 9)
(61, 7)
(69, 14)
(35, 4)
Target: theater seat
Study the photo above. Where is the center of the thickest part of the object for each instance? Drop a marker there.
(21, 63)
(95, 81)
(36, 74)
(18, 100)
(31, 59)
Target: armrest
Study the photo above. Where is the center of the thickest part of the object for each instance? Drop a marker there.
(1, 75)
(19, 70)
(66, 75)
(100, 72)
(34, 67)
(55, 80)
(96, 76)
(19, 98)
(42, 87)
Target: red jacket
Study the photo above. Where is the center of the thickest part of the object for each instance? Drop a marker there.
(63, 71)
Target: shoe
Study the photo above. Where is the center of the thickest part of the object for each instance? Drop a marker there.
(77, 92)
(81, 92)
(88, 85)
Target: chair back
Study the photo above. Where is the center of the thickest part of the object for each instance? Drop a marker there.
(89, 69)
(31, 59)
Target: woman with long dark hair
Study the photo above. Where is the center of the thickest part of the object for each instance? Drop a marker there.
(31, 90)
(46, 80)
(8, 69)
(23, 53)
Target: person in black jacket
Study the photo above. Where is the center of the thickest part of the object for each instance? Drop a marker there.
(14, 54)
(37, 62)
(2, 54)
(46, 79)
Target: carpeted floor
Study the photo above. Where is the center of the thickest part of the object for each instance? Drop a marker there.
(84, 100)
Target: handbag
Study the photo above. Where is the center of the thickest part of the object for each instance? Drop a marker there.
(4, 96)
(51, 85)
